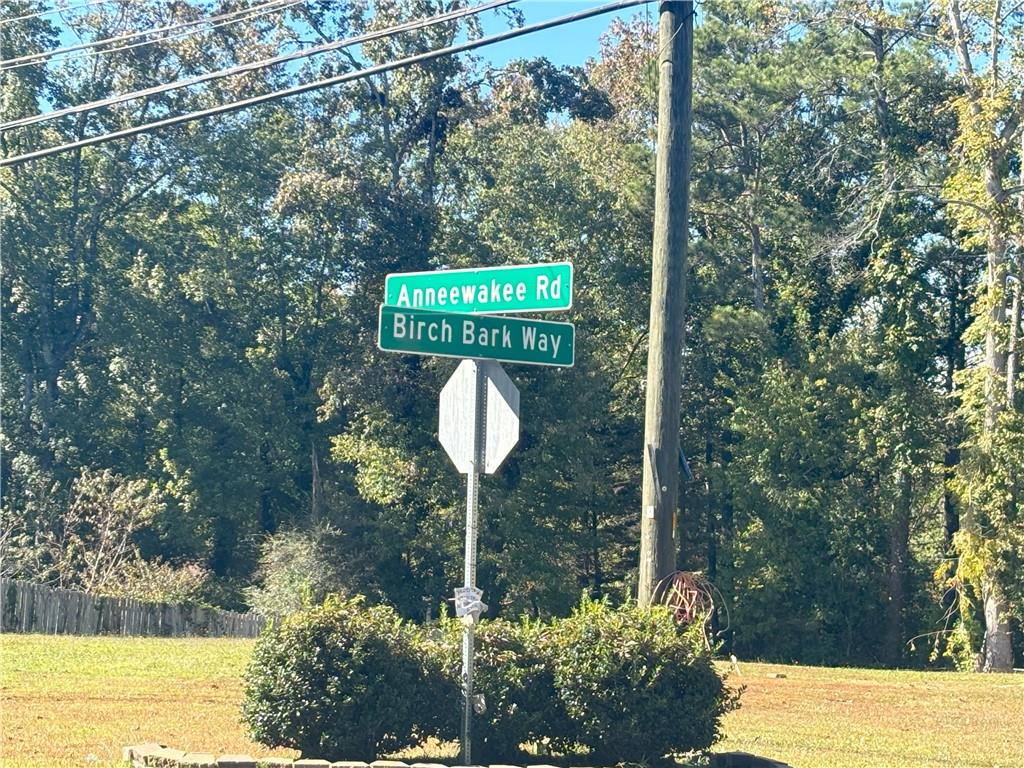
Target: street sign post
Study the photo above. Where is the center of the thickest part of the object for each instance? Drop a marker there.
(478, 427)
(448, 334)
(489, 290)
(442, 313)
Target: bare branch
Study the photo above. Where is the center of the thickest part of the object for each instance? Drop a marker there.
(962, 53)
(1007, 192)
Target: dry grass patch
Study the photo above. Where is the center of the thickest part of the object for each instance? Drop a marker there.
(75, 701)
(861, 718)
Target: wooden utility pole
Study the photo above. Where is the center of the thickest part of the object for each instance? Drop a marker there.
(668, 296)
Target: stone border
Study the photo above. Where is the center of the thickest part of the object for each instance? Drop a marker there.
(159, 756)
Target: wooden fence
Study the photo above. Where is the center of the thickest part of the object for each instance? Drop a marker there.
(26, 607)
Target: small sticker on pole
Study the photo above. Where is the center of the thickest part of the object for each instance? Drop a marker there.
(468, 603)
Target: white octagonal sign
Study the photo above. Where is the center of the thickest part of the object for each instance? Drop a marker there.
(458, 416)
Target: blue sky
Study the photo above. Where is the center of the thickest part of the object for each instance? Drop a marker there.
(569, 44)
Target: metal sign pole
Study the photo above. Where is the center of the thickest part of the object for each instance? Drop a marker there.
(472, 500)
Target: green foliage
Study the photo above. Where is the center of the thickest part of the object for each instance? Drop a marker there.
(513, 670)
(298, 569)
(161, 582)
(624, 684)
(634, 685)
(345, 681)
(78, 536)
(530, 90)
(32, 502)
(382, 473)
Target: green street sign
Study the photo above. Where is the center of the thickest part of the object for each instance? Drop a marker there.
(447, 334)
(490, 290)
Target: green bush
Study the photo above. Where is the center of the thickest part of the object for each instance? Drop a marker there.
(517, 684)
(348, 682)
(156, 581)
(298, 569)
(344, 681)
(635, 687)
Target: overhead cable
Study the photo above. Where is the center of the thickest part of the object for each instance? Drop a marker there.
(255, 65)
(167, 38)
(221, 19)
(52, 11)
(140, 43)
(326, 82)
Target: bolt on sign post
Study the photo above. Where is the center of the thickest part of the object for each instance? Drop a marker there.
(442, 313)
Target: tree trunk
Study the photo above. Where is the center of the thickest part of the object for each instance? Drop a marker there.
(955, 361)
(317, 490)
(1012, 350)
(998, 652)
(995, 355)
(757, 266)
(712, 519)
(28, 396)
(268, 523)
(949, 601)
(899, 546)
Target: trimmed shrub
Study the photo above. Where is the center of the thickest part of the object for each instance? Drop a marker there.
(634, 685)
(517, 684)
(344, 681)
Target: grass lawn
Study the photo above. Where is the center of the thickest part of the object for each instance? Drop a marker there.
(71, 701)
(818, 717)
(75, 701)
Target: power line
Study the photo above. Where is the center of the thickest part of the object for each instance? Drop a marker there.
(315, 85)
(175, 36)
(242, 68)
(222, 19)
(217, 20)
(130, 46)
(52, 11)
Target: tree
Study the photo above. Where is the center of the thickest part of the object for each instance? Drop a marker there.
(980, 192)
(192, 314)
(97, 378)
(79, 537)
